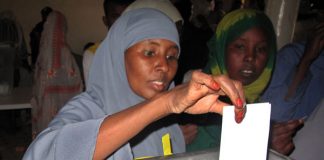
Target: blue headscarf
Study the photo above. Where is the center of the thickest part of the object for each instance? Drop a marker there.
(108, 83)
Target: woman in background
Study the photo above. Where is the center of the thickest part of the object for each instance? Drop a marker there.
(57, 77)
(243, 48)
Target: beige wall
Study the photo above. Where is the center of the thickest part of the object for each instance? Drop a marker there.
(283, 14)
(83, 16)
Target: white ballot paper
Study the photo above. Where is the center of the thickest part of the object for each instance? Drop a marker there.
(249, 139)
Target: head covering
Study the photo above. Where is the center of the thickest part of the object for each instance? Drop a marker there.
(232, 26)
(46, 11)
(57, 77)
(13, 51)
(164, 6)
(108, 85)
(11, 32)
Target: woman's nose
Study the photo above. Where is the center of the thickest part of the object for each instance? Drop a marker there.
(162, 64)
(249, 56)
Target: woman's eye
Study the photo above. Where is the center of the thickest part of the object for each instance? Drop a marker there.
(261, 49)
(239, 46)
(172, 57)
(148, 53)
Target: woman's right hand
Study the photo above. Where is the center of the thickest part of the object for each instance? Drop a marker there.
(201, 93)
(282, 134)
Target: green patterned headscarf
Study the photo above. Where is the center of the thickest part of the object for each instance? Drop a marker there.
(231, 27)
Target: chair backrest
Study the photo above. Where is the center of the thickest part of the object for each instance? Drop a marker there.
(8, 32)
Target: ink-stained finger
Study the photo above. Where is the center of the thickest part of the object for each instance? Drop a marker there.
(234, 90)
(240, 114)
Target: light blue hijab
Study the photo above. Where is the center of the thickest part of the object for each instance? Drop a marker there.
(107, 80)
(108, 83)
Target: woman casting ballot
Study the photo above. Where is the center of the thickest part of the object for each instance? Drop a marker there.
(123, 112)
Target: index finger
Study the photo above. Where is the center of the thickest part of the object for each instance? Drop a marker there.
(234, 90)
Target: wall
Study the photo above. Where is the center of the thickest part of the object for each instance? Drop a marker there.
(84, 18)
(283, 14)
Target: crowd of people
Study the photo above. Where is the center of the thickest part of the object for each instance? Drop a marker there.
(160, 73)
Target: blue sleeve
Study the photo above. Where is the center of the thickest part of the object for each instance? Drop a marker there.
(286, 64)
(71, 134)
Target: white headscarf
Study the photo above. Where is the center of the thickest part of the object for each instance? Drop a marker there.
(108, 84)
(164, 6)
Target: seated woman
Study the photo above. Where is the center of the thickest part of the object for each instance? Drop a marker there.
(243, 48)
(120, 115)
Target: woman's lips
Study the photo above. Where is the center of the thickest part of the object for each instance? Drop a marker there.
(158, 85)
(247, 72)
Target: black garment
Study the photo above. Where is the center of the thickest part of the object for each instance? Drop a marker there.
(35, 36)
(194, 49)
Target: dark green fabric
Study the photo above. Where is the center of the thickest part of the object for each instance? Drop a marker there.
(208, 137)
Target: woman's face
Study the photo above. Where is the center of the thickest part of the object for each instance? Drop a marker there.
(247, 56)
(151, 66)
